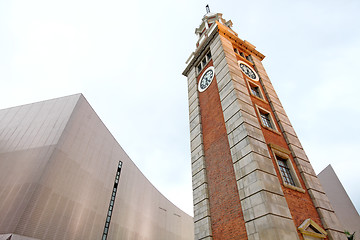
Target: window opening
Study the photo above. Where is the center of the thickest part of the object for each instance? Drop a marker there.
(285, 171)
(249, 58)
(199, 68)
(265, 119)
(255, 91)
(208, 55)
(203, 62)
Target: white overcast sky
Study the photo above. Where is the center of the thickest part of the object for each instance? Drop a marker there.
(127, 57)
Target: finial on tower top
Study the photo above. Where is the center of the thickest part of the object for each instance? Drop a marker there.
(207, 8)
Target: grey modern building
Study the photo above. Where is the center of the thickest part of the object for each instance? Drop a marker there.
(64, 176)
(340, 200)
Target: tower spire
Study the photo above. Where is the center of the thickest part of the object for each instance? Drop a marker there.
(207, 8)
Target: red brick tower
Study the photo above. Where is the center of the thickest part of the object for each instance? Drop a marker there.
(251, 176)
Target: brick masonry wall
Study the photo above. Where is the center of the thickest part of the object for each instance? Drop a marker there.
(202, 220)
(263, 198)
(300, 204)
(321, 202)
(265, 210)
(227, 220)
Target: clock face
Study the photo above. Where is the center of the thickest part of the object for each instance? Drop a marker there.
(248, 71)
(206, 79)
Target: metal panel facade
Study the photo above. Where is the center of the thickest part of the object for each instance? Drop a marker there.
(58, 163)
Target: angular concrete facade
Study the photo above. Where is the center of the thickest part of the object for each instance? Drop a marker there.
(271, 209)
(341, 202)
(58, 165)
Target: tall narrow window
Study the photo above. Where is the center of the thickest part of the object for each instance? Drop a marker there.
(208, 55)
(249, 58)
(265, 119)
(199, 68)
(255, 90)
(112, 201)
(203, 62)
(285, 171)
(286, 168)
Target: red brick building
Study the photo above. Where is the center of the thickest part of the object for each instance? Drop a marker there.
(251, 176)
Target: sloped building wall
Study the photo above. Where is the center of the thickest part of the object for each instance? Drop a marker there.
(73, 191)
(28, 136)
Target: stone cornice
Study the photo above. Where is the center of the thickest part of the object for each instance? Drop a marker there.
(225, 31)
(242, 44)
(195, 55)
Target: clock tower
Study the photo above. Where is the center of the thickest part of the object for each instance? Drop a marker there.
(251, 176)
